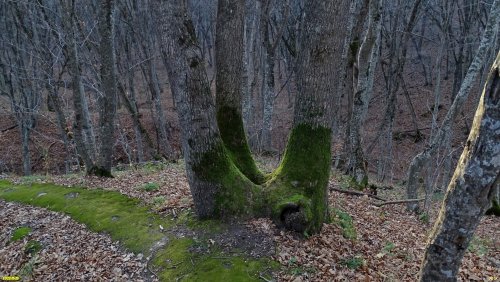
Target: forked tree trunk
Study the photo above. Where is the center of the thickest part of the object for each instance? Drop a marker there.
(296, 193)
(471, 189)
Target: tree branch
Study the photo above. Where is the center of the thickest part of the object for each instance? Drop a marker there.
(399, 202)
(356, 193)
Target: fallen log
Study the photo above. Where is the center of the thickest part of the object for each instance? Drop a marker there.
(356, 193)
(398, 202)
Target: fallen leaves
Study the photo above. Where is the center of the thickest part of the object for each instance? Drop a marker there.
(389, 243)
(68, 250)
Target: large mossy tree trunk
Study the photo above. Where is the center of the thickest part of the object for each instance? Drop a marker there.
(300, 183)
(296, 193)
(471, 189)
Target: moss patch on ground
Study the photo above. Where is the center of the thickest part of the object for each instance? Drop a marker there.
(20, 233)
(125, 219)
(137, 228)
(187, 259)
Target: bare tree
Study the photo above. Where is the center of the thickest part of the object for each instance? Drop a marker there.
(364, 72)
(109, 87)
(401, 18)
(269, 47)
(21, 67)
(471, 190)
(82, 127)
(421, 159)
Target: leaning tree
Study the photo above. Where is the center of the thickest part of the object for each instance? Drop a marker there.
(223, 178)
(471, 190)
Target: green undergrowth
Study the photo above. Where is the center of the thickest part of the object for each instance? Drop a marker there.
(20, 232)
(344, 221)
(353, 262)
(138, 229)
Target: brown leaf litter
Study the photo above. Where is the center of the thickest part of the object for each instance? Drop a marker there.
(389, 246)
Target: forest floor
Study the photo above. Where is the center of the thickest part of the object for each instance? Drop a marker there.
(363, 243)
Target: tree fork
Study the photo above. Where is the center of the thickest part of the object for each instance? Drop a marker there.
(296, 193)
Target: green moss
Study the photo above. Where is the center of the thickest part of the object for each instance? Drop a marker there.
(20, 232)
(179, 262)
(233, 135)
(304, 171)
(358, 186)
(495, 209)
(33, 247)
(238, 196)
(132, 224)
(189, 219)
(150, 186)
(481, 246)
(344, 221)
(32, 179)
(125, 219)
(354, 262)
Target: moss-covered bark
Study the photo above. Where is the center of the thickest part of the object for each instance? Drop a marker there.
(233, 134)
(298, 188)
(222, 175)
(237, 195)
(295, 195)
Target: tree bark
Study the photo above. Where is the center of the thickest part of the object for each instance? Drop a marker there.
(471, 189)
(109, 88)
(82, 126)
(367, 60)
(269, 47)
(302, 176)
(229, 67)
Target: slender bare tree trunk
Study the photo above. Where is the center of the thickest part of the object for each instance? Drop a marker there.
(82, 127)
(357, 14)
(471, 189)
(269, 47)
(366, 64)
(109, 88)
(249, 64)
